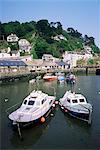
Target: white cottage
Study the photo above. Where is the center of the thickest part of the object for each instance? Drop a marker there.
(72, 57)
(48, 58)
(12, 38)
(24, 45)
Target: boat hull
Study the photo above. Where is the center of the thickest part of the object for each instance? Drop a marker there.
(50, 79)
(71, 81)
(36, 121)
(81, 116)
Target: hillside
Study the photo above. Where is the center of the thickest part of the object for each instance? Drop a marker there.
(47, 37)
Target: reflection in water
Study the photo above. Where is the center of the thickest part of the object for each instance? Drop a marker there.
(62, 131)
(30, 136)
(76, 123)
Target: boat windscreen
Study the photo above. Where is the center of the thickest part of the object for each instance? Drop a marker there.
(74, 101)
(81, 100)
(31, 102)
(68, 100)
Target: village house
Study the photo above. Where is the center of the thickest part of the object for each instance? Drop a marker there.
(72, 57)
(48, 58)
(87, 49)
(12, 38)
(12, 66)
(62, 65)
(24, 45)
(48, 62)
(59, 37)
(49, 66)
(11, 55)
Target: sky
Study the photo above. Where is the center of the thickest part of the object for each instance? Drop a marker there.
(82, 15)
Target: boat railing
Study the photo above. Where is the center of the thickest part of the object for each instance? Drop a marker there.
(10, 109)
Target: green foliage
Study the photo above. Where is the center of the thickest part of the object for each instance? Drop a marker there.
(40, 47)
(95, 49)
(33, 53)
(74, 33)
(14, 46)
(90, 62)
(22, 53)
(40, 34)
(3, 45)
(17, 28)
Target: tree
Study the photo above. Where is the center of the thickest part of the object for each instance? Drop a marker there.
(14, 46)
(74, 33)
(40, 47)
(42, 27)
(95, 49)
(90, 61)
(59, 28)
(33, 53)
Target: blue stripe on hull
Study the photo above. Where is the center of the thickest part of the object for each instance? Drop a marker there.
(79, 115)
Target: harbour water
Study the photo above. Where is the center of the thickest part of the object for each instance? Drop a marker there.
(59, 131)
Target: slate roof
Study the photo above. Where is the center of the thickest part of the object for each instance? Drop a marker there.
(61, 63)
(12, 63)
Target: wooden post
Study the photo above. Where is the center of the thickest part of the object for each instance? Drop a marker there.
(86, 70)
(19, 131)
(90, 113)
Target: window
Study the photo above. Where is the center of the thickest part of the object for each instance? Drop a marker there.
(68, 100)
(43, 101)
(31, 102)
(25, 101)
(74, 100)
(81, 100)
(50, 102)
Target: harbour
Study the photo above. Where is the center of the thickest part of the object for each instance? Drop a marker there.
(10, 76)
(59, 131)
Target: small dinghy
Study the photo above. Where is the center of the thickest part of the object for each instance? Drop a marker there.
(34, 107)
(76, 105)
(49, 77)
(32, 81)
(61, 78)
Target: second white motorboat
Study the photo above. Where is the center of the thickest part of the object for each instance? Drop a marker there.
(76, 105)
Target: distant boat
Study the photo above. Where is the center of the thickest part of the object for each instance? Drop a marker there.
(34, 107)
(49, 77)
(32, 81)
(70, 78)
(61, 78)
(76, 105)
(38, 77)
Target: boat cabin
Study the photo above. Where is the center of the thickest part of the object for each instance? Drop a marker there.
(75, 99)
(36, 98)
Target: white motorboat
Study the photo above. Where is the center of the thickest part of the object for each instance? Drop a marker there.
(70, 78)
(34, 107)
(76, 105)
